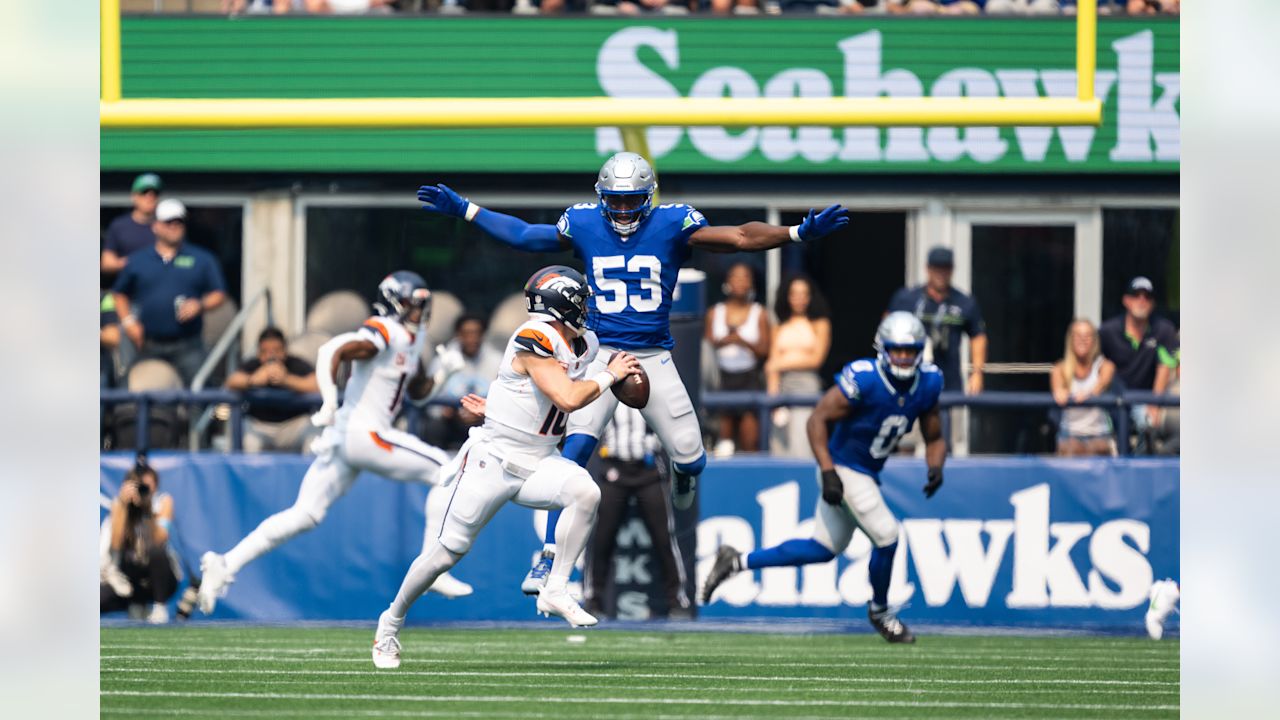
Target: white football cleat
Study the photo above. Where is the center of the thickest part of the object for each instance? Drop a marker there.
(450, 587)
(561, 604)
(213, 582)
(1164, 600)
(386, 643)
(115, 578)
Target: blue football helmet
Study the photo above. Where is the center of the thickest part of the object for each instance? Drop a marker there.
(625, 188)
(900, 331)
(400, 292)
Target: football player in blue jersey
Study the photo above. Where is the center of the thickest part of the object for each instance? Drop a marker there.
(873, 404)
(633, 252)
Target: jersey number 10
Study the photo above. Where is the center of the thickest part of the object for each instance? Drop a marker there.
(555, 422)
(613, 296)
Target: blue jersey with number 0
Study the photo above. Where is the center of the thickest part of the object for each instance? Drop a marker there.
(632, 278)
(880, 413)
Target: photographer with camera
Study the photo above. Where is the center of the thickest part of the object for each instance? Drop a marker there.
(136, 566)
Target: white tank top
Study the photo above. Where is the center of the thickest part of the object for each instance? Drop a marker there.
(735, 358)
(1086, 422)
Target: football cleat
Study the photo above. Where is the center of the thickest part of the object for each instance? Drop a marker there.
(213, 582)
(450, 587)
(537, 576)
(728, 563)
(1164, 600)
(386, 643)
(115, 578)
(561, 604)
(886, 623)
(682, 490)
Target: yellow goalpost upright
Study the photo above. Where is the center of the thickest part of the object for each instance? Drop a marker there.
(116, 112)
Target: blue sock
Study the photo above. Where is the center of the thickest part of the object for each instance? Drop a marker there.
(577, 448)
(791, 552)
(880, 569)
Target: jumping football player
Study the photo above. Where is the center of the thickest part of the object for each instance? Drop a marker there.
(633, 252)
(384, 355)
(873, 404)
(545, 375)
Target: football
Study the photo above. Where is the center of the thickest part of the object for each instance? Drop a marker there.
(633, 390)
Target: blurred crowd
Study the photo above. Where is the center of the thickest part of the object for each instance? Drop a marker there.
(685, 7)
(164, 305)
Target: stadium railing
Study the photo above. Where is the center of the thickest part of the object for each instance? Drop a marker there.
(761, 402)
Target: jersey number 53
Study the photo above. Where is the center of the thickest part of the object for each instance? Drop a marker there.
(614, 296)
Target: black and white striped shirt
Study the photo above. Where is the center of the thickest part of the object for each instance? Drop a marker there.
(627, 438)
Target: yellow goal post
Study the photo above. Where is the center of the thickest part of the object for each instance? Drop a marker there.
(563, 112)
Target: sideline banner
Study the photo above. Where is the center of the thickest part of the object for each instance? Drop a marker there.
(1007, 541)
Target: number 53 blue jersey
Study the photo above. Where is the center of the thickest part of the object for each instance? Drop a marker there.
(632, 278)
(880, 413)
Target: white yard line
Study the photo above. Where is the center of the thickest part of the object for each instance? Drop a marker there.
(670, 676)
(631, 701)
(340, 657)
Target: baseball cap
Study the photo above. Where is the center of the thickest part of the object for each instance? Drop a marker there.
(941, 257)
(1140, 284)
(171, 209)
(147, 181)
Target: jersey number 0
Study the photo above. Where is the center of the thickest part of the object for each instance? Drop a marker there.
(613, 296)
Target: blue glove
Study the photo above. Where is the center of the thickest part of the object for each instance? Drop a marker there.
(439, 198)
(817, 225)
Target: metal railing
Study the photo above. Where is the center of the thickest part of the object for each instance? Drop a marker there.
(222, 349)
(763, 403)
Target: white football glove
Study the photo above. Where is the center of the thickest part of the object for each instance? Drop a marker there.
(325, 415)
(451, 360)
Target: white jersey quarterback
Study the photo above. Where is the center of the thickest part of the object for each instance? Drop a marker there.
(514, 456)
(385, 355)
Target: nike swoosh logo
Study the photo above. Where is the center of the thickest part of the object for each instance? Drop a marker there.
(666, 360)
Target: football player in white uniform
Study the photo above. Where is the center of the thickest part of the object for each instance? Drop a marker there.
(514, 455)
(385, 362)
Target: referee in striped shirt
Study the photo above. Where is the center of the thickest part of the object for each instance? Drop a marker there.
(627, 452)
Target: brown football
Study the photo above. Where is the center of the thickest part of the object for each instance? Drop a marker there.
(633, 390)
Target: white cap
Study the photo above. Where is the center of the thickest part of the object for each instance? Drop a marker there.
(171, 209)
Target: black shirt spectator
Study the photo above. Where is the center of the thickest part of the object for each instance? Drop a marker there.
(1136, 342)
(132, 232)
(271, 412)
(277, 419)
(946, 313)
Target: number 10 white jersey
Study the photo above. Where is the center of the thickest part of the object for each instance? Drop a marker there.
(515, 408)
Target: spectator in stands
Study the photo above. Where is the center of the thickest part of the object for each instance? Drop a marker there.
(1083, 373)
(1151, 7)
(108, 339)
(276, 423)
(1168, 425)
(313, 7)
(450, 424)
(1144, 348)
(131, 232)
(934, 7)
(630, 471)
(725, 7)
(163, 291)
(637, 7)
(1022, 7)
(799, 346)
(740, 331)
(946, 312)
(136, 568)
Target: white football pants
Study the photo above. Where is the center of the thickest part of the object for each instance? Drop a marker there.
(341, 454)
(669, 413)
(863, 507)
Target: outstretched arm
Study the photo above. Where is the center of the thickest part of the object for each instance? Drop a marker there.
(510, 230)
(754, 236)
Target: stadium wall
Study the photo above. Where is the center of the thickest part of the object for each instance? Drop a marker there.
(1138, 80)
(1031, 542)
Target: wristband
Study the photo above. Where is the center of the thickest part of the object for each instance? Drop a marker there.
(605, 379)
(129, 320)
(472, 209)
(794, 232)
(165, 523)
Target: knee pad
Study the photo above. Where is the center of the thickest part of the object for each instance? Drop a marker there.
(579, 447)
(457, 543)
(692, 468)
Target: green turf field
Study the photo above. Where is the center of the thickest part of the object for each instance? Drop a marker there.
(233, 672)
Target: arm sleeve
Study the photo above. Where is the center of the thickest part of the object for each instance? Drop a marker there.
(213, 279)
(374, 330)
(693, 222)
(124, 281)
(974, 324)
(535, 341)
(518, 233)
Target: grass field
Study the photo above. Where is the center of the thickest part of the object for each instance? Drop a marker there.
(236, 671)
